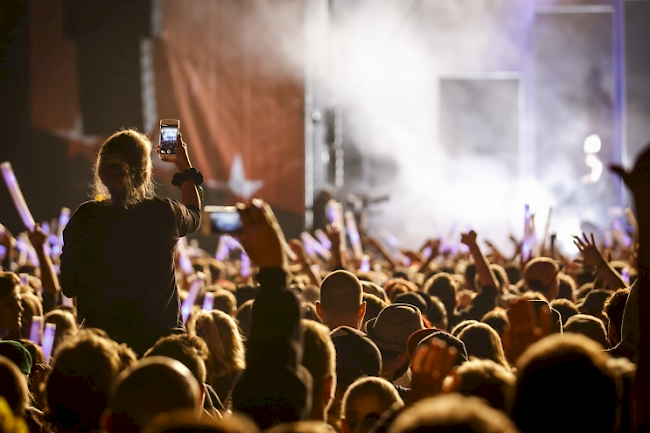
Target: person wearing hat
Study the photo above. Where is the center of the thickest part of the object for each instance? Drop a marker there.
(390, 331)
(17, 353)
(540, 275)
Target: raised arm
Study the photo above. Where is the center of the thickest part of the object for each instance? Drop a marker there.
(485, 275)
(274, 387)
(49, 278)
(189, 192)
(383, 251)
(638, 182)
(9, 242)
(591, 256)
(304, 261)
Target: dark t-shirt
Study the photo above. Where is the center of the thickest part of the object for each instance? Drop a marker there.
(119, 264)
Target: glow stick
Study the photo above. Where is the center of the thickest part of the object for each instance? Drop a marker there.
(315, 246)
(3, 251)
(208, 301)
(526, 248)
(45, 228)
(426, 252)
(66, 301)
(234, 244)
(64, 218)
(222, 248)
(22, 249)
(625, 274)
(323, 239)
(35, 330)
(183, 258)
(392, 240)
(335, 213)
(192, 294)
(55, 251)
(353, 233)
(632, 219)
(17, 196)
(365, 263)
(245, 265)
(48, 341)
(546, 228)
(309, 250)
(377, 269)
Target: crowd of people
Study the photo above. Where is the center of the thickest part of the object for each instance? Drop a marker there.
(154, 334)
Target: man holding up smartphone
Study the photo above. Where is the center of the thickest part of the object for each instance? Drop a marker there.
(118, 249)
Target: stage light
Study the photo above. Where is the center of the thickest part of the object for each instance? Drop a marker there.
(592, 144)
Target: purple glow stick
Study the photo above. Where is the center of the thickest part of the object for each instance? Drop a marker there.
(192, 294)
(353, 233)
(315, 246)
(35, 329)
(48, 341)
(245, 265)
(45, 228)
(64, 218)
(526, 246)
(323, 239)
(208, 301)
(233, 243)
(625, 274)
(365, 263)
(223, 250)
(33, 257)
(17, 196)
(392, 240)
(183, 258)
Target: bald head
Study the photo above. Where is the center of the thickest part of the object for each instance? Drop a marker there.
(341, 300)
(154, 385)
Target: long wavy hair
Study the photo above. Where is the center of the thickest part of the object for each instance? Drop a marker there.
(222, 335)
(122, 172)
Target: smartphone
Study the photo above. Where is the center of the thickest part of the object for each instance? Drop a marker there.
(169, 129)
(218, 220)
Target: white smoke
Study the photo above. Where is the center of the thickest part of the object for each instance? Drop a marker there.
(383, 64)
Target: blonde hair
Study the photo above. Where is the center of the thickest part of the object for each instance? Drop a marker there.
(224, 340)
(122, 171)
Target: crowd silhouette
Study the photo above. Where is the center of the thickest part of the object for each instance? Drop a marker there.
(115, 323)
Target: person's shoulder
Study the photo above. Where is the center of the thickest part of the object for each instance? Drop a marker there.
(90, 204)
(88, 208)
(164, 202)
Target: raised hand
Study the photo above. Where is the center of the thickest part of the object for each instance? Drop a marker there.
(261, 235)
(299, 250)
(37, 237)
(430, 366)
(591, 256)
(524, 328)
(468, 238)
